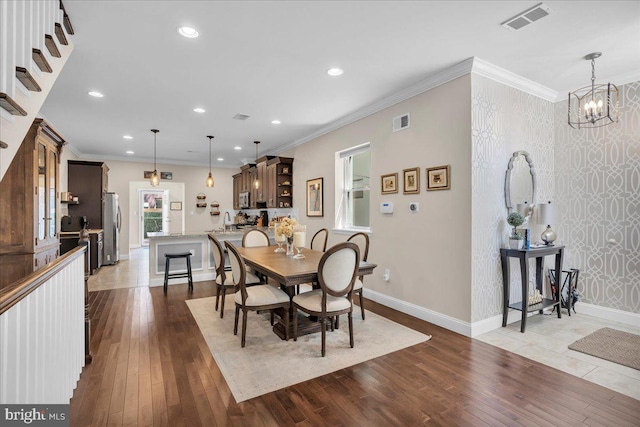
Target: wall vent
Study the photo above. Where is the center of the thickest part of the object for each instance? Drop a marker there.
(401, 122)
(527, 17)
(241, 116)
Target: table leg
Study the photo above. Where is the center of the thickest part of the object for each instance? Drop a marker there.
(524, 273)
(559, 256)
(505, 288)
(539, 268)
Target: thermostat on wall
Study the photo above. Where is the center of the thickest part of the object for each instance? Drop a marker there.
(386, 208)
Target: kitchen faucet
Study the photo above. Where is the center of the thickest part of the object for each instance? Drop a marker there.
(227, 221)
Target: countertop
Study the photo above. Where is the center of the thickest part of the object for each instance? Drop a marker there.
(77, 233)
(229, 235)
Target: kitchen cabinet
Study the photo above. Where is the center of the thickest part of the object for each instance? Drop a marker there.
(88, 181)
(271, 187)
(262, 192)
(29, 201)
(280, 182)
(237, 185)
(253, 173)
(69, 240)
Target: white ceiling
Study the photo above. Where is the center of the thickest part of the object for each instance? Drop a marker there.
(268, 60)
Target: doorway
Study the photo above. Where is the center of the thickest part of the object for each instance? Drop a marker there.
(154, 213)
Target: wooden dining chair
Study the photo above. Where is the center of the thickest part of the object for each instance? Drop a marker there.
(336, 274)
(259, 297)
(255, 238)
(362, 240)
(319, 240)
(223, 283)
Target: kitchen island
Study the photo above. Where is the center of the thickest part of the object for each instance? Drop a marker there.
(197, 242)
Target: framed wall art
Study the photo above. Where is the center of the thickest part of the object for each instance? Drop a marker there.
(176, 206)
(389, 183)
(315, 197)
(166, 175)
(147, 174)
(411, 181)
(439, 178)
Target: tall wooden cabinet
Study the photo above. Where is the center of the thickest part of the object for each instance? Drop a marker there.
(88, 181)
(280, 181)
(29, 202)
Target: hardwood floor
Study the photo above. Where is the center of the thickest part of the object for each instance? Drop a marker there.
(151, 366)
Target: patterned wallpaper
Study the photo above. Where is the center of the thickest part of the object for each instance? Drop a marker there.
(504, 120)
(598, 199)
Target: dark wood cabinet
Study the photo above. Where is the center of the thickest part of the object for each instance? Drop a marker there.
(29, 202)
(271, 188)
(237, 185)
(275, 178)
(281, 184)
(88, 181)
(97, 249)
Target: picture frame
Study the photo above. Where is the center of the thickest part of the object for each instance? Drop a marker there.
(411, 181)
(147, 174)
(389, 183)
(439, 178)
(175, 206)
(166, 175)
(315, 197)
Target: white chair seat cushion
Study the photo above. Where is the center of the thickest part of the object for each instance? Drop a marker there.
(313, 301)
(262, 295)
(357, 285)
(227, 282)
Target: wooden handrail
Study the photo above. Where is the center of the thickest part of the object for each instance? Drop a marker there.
(14, 293)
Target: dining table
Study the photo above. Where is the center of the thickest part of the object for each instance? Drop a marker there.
(288, 272)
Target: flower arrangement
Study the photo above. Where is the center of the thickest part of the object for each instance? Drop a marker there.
(285, 227)
(515, 220)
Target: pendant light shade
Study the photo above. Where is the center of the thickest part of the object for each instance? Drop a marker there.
(210, 182)
(155, 178)
(595, 105)
(256, 183)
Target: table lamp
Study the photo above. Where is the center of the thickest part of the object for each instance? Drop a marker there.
(545, 216)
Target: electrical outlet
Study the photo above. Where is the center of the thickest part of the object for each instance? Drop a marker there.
(387, 274)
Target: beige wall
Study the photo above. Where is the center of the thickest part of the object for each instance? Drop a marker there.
(193, 177)
(428, 252)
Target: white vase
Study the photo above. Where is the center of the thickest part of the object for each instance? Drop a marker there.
(516, 244)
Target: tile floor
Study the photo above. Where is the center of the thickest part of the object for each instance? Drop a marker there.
(545, 341)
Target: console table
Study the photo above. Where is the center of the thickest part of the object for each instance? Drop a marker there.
(524, 255)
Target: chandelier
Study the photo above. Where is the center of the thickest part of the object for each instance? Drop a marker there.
(595, 105)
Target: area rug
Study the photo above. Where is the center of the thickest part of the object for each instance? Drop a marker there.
(268, 363)
(613, 345)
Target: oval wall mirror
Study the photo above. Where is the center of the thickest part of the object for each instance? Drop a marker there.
(520, 181)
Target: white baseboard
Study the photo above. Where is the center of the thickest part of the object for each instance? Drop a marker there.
(489, 324)
(159, 281)
(615, 315)
(124, 256)
(447, 322)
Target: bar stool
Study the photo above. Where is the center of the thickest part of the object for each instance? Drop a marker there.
(168, 275)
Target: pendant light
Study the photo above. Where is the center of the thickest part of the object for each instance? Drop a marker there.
(256, 183)
(595, 105)
(155, 178)
(210, 181)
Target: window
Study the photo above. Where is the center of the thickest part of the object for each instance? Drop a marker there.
(352, 188)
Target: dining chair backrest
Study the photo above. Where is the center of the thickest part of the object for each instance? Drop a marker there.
(238, 269)
(254, 238)
(319, 240)
(337, 269)
(218, 254)
(362, 240)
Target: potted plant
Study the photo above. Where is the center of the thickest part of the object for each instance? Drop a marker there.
(516, 239)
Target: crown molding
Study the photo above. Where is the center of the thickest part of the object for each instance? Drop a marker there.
(433, 81)
(500, 75)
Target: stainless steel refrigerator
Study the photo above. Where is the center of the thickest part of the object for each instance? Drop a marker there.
(112, 221)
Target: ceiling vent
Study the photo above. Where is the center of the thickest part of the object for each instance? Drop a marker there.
(527, 17)
(401, 122)
(241, 116)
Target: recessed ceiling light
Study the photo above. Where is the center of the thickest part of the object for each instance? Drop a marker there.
(96, 94)
(199, 110)
(275, 122)
(220, 159)
(129, 152)
(127, 137)
(188, 32)
(335, 71)
(237, 148)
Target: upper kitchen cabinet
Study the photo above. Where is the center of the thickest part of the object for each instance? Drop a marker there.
(237, 184)
(262, 189)
(29, 198)
(88, 181)
(280, 181)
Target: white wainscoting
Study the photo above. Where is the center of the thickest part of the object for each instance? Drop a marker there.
(42, 341)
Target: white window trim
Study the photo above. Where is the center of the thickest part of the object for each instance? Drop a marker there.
(339, 190)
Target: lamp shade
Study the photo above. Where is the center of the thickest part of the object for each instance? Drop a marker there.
(545, 213)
